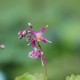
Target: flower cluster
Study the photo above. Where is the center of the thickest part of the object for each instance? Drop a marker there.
(34, 37)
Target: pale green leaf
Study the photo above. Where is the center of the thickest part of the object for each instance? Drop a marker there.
(73, 77)
(28, 76)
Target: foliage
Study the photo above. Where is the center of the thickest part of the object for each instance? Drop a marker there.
(73, 77)
(28, 76)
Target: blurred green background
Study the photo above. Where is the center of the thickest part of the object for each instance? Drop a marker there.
(63, 55)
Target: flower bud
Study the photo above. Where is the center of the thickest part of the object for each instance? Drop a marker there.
(22, 33)
(30, 25)
(28, 38)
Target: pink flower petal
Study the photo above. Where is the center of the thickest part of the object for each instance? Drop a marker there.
(43, 29)
(34, 54)
(45, 40)
(32, 43)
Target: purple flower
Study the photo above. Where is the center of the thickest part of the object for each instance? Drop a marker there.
(34, 54)
(22, 33)
(39, 36)
(34, 38)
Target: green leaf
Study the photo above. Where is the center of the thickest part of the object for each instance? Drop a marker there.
(73, 77)
(28, 76)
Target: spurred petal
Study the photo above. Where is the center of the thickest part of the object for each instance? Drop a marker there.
(43, 29)
(45, 40)
(31, 32)
(32, 43)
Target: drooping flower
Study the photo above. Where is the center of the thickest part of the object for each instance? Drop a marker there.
(22, 33)
(34, 54)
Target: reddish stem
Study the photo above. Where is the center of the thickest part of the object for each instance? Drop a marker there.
(42, 56)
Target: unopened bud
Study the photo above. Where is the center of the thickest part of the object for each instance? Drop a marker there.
(30, 25)
(28, 38)
(22, 33)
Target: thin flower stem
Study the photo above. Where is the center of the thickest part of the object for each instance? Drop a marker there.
(42, 56)
(45, 67)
